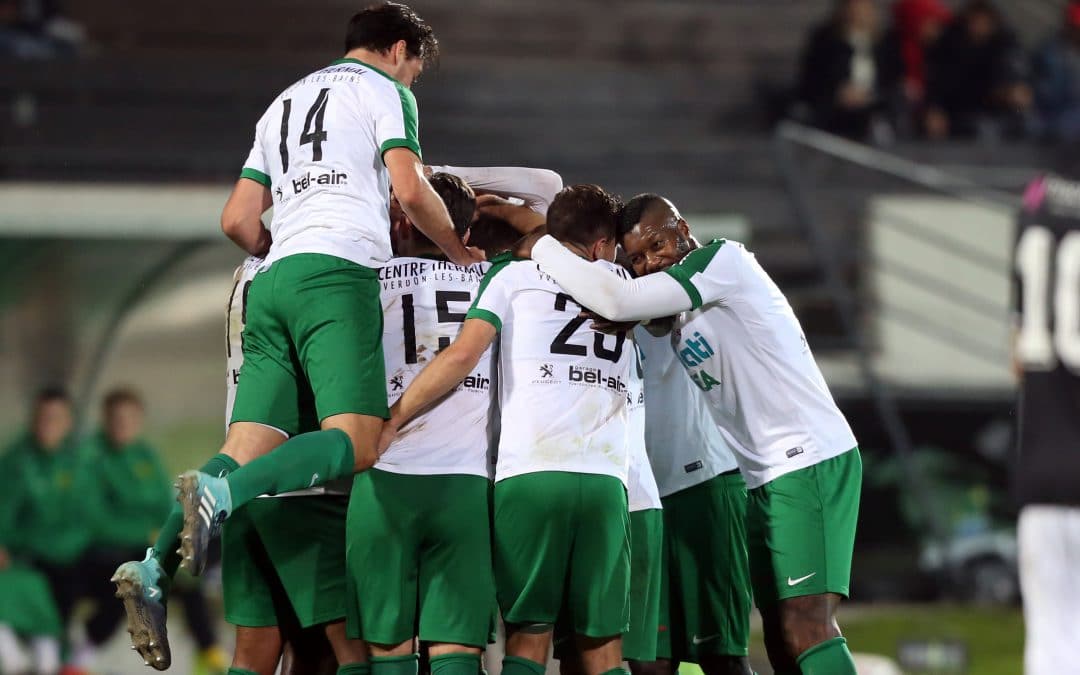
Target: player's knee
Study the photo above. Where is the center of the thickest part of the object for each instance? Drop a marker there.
(807, 621)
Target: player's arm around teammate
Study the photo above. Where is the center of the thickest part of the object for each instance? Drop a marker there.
(800, 551)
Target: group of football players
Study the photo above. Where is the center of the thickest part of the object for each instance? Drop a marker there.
(450, 412)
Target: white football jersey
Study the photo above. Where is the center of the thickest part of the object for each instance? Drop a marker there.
(235, 317)
(744, 348)
(562, 386)
(319, 149)
(685, 447)
(641, 490)
(424, 303)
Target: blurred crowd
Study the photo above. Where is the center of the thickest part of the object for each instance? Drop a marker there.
(71, 510)
(37, 29)
(938, 73)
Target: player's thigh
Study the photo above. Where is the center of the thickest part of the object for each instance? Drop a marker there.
(707, 538)
(457, 583)
(801, 530)
(382, 549)
(646, 570)
(304, 538)
(270, 387)
(534, 525)
(598, 596)
(335, 321)
(251, 592)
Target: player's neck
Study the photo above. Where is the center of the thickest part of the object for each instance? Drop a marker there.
(579, 250)
(371, 58)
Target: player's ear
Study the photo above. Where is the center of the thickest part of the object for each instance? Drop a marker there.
(400, 51)
(684, 229)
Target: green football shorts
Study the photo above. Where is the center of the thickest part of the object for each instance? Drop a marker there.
(646, 570)
(801, 530)
(646, 557)
(419, 558)
(311, 319)
(563, 536)
(285, 556)
(705, 599)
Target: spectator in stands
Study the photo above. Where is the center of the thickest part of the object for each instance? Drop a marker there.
(977, 77)
(917, 26)
(134, 496)
(1056, 80)
(34, 29)
(45, 522)
(848, 74)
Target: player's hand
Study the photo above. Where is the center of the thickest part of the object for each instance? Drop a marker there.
(600, 324)
(470, 256)
(5, 558)
(489, 203)
(524, 246)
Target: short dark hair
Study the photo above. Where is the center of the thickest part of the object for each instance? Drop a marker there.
(635, 209)
(119, 396)
(583, 214)
(52, 393)
(459, 198)
(380, 26)
(493, 234)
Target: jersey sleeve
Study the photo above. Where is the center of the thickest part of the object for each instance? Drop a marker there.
(536, 187)
(492, 302)
(607, 293)
(397, 124)
(255, 167)
(708, 274)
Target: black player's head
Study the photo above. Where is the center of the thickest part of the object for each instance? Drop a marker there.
(52, 419)
(653, 234)
(492, 234)
(585, 215)
(460, 201)
(122, 411)
(396, 33)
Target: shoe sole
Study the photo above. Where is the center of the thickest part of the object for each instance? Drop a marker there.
(187, 494)
(149, 639)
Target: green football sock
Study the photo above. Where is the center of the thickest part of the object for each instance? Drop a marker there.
(166, 544)
(354, 669)
(455, 664)
(395, 665)
(828, 658)
(516, 665)
(301, 462)
(240, 671)
(616, 671)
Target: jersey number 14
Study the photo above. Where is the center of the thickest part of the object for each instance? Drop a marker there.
(313, 135)
(1036, 346)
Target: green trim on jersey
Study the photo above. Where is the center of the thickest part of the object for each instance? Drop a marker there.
(484, 315)
(410, 121)
(338, 62)
(498, 263)
(255, 175)
(695, 262)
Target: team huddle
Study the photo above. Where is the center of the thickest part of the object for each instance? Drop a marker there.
(450, 406)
